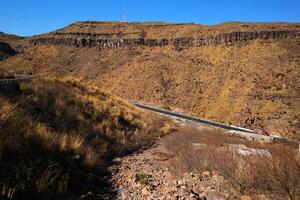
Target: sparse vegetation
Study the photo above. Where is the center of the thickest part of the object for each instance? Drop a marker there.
(251, 85)
(141, 178)
(4, 74)
(57, 135)
(210, 150)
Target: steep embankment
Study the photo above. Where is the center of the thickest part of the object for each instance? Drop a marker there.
(240, 73)
(56, 136)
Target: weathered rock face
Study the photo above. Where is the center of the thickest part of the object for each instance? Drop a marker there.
(93, 40)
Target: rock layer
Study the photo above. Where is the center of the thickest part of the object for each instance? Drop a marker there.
(93, 40)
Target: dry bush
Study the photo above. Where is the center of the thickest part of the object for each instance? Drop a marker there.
(187, 143)
(76, 142)
(91, 157)
(5, 74)
(283, 170)
(210, 150)
(7, 109)
(57, 136)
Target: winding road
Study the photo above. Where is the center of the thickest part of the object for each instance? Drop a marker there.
(230, 129)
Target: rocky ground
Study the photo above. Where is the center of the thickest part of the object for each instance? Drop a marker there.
(160, 181)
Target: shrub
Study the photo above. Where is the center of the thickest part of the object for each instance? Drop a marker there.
(5, 74)
(277, 174)
(141, 178)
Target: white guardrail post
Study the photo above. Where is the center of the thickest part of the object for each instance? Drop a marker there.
(17, 79)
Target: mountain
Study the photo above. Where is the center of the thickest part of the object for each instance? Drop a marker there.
(238, 73)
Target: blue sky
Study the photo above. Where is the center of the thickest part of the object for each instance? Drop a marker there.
(28, 17)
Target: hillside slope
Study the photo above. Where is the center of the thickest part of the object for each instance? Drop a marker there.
(13, 40)
(5, 51)
(57, 136)
(237, 73)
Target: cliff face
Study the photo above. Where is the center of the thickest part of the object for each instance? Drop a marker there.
(91, 40)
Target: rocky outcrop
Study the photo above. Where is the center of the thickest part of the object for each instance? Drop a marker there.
(93, 40)
(6, 50)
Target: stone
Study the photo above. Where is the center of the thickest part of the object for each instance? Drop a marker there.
(118, 159)
(206, 174)
(262, 197)
(198, 146)
(245, 197)
(145, 191)
(192, 195)
(179, 182)
(121, 194)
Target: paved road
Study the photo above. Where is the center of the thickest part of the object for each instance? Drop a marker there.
(234, 130)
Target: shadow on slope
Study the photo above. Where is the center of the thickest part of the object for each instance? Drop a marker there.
(57, 137)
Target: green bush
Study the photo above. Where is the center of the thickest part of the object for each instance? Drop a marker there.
(141, 178)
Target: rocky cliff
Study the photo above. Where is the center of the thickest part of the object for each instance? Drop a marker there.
(94, 40)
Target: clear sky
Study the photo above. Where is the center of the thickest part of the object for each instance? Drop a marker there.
(28, 17)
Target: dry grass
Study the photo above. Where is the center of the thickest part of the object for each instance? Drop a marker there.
(251, 85)
(4, 74)
(166, 30)
(210, 150)
(76, 142)
(57, 135)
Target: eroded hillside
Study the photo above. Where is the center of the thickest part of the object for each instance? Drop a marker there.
(238, 73)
